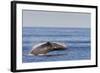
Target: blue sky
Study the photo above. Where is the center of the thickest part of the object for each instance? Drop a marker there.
(33, 18)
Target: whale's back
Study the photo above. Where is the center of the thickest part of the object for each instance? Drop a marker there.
(44, 48)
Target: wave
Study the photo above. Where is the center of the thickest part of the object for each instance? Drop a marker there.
(56, 38)
(55, 35)
(26, 42)
(53, 28)
(50, 31)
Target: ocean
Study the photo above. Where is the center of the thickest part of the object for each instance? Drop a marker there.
(77, 40)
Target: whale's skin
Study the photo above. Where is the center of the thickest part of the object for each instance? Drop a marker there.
(44, 48)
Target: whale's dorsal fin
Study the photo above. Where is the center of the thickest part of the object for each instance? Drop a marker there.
(48, 43)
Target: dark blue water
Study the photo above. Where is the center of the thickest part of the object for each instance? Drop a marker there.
(77, 40)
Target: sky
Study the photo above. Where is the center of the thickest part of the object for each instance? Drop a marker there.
(32, 18)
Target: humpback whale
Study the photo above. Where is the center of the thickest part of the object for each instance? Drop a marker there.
(44, 48)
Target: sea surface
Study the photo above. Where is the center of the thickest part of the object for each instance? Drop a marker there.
(77, 40)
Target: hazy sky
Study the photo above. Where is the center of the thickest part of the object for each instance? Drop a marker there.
(55, 19)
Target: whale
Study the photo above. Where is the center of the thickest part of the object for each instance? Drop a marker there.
(44, 48)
